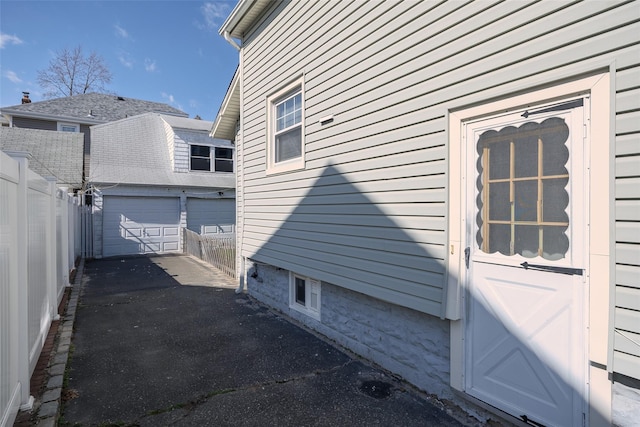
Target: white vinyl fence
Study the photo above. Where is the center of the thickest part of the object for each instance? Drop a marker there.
(219, 252)
(41, 235)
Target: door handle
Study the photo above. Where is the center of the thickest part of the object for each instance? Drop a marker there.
(467, 255)
(561, 270)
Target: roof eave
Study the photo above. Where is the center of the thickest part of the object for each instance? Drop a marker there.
(50, 117)
(240, 17)
(224, 125)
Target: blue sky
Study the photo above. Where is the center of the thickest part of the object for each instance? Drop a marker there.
(164, 51)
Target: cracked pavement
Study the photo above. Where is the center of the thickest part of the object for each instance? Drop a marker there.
(166, 341)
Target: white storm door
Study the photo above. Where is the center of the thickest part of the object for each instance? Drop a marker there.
(525, 350)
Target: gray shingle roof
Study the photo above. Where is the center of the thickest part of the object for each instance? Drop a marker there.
(136, 151)
(91, 108)
(57, 154)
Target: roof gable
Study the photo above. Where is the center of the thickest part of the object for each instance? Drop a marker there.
(90, 108)
(138, 151)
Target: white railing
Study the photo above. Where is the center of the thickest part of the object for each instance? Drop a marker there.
(220, 252)
(40, 238)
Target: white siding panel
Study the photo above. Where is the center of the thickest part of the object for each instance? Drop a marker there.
(627, 320)
(628, 122)
(626, 364)
(375, 187)
(627, 210)
(628, 188)
(628, 275)
(627, 254)
(628, 298)
(628, 144)
(628, 232)
(627, 100)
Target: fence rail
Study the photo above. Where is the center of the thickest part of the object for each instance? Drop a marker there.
(220, 252)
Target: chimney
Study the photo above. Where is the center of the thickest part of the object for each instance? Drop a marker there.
(25, 98)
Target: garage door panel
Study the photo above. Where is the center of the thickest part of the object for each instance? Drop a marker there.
(140, 225)
(211, 216)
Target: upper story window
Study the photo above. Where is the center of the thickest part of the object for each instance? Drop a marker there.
(212, 159)
(68, 127)
(285, 148)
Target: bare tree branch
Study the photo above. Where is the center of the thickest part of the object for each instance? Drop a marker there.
(71, 73)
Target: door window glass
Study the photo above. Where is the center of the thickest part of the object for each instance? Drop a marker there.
(522, 182)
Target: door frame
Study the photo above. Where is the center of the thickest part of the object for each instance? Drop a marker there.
(599, 158)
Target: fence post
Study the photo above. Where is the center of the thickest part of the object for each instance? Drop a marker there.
(26, 400)
(52, 251)
(65, 234)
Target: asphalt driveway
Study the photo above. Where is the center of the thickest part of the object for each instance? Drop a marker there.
(166, 341)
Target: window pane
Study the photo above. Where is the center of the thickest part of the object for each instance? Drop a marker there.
(223, 165)
(555, 152)
(556, 200)
(289, 112)
(288, 145)
(500, 238)
(200, 150)
(200, 164)
(526, 240)
(300, 291)
(499, 160)
(224, 153)
(526, 151)
(499, 205)
(526, 200)
(555, 243)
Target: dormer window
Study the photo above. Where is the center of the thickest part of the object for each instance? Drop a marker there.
(211, 159)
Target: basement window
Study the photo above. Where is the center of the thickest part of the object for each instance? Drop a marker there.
(304, 295)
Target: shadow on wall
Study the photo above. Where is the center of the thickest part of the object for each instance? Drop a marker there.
(391, 245)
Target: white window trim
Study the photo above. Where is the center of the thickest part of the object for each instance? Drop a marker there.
(311, 286)
(61, 125)
(291, 164)
(212, 158)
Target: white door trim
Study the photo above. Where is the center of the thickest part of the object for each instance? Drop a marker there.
(599, 157)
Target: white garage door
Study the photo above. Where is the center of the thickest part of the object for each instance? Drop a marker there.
(140, 225)
(211, 217)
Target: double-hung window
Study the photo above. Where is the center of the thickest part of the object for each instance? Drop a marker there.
(212, 159)
(286, 129)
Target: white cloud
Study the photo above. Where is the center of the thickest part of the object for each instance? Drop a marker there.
(150, 65)
(168, 97)
(7, 39)
(171, 100)
(125, 59)
(214, 14)
(12, 76)
(121, 32)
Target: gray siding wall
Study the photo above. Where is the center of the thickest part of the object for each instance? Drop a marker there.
(626, 358)
(368, 211)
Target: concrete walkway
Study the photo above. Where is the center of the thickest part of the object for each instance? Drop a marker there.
(166, 341)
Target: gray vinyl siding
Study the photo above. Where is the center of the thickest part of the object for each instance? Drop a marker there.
(368, 212)
(626, 359)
